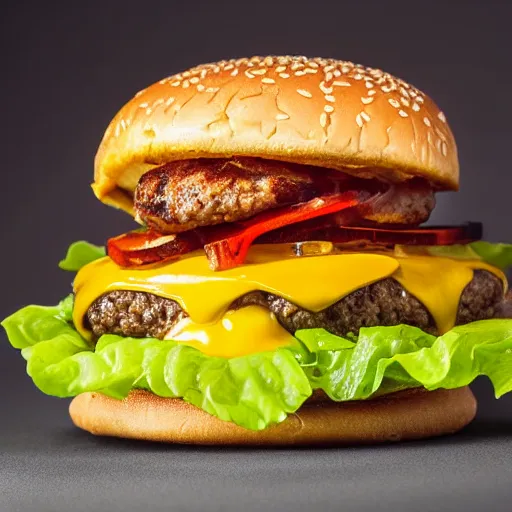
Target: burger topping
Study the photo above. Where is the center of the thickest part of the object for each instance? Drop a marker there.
(226, 246)
(312, 284)
(255, 317)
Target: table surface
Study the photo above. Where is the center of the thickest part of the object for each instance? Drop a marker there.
(48, 465)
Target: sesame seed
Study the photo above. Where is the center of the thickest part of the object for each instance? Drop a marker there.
(336, 73)
(200, 87)
(143, 105)
(296, 65)
(148, 111)
(323, 119)
(248, 74)
(403, 113)
(123, 124)
(268, 80)
(311, 71)
(216, 69)
(324, 89)
(386, 89)
(441, 117)
(157, 102)
(339, 83)
(212, 89)
(260, 71)
(300, 72)
(175, 83)
(305, 93)
(420, 99)
(394, 103)
(282, 117)
(359, 121)
(194, 80)
(371, 92)
(404, 92)
(345, 69)
(234, 72)
(444, 148)
(312, 64)
(227, 67)
(365, 116)
(185, 74)
(280, 69)
(330, 98)
(186, 84)
(415, 107)
(284, 75)
(358, 76)
(404, 101)
(369, 84)
(440, 134)
(170, 101)
(329, 108)
(328, 68)
(426, 120)
(367, 101)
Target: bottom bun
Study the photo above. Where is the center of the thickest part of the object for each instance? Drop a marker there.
(410, 414)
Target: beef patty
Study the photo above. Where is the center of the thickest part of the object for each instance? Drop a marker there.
(187, 194)
(385, 302)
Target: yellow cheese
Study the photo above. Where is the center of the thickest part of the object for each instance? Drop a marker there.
(312, 282)
(239, 332)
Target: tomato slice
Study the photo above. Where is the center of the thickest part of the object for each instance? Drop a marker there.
(233, 242)
(426, 235)
(142, 248)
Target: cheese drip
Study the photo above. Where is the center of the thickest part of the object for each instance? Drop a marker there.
(239, 332)
(312, 282)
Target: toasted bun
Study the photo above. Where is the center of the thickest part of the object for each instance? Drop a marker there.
(321, 112)
(405, 415)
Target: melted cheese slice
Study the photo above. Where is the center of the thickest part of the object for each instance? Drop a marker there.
(239, 332)
(312, 282)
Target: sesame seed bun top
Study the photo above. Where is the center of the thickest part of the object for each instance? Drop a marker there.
(322, 112)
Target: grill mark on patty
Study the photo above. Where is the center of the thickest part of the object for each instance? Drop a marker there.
(386, 302)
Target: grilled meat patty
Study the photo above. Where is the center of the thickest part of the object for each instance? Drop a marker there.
(187, 194)
(385, 302)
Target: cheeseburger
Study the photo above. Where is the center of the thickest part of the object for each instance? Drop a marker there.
(280, 287)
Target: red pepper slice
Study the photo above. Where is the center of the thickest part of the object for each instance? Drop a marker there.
(141, 248)
(231, 250)
(226, 245)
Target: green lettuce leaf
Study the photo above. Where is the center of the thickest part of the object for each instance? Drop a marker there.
(258, 390)
(498, 255)
(403, 356)
(80, 254)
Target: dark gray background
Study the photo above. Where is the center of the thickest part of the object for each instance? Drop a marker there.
(66, 69)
